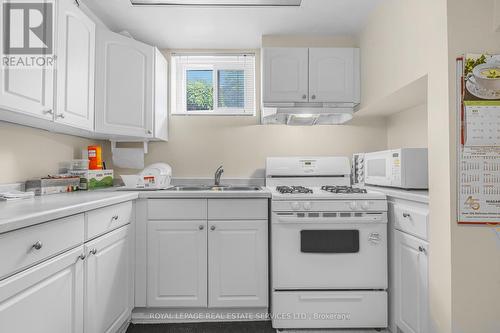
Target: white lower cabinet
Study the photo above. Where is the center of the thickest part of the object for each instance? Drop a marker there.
(177, 263)
(47, 298)
(237, 265)
(108, 281)
(411, 283)
(210, 254)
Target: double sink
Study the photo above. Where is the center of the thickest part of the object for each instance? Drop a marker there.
(215, 188)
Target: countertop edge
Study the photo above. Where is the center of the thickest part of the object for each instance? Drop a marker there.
(421, 196)
(43, 216)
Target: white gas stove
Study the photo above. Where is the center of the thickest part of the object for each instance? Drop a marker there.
(328, 246)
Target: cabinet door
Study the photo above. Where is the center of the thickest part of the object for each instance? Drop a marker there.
(332, 75)
(75, 66)
(411, 284)
(285, 74)
(124, 85)
(237, 263)
(47, 298)
(177, 264)
(108, 297)
(24, 90)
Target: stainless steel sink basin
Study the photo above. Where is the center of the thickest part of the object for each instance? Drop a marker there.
(214, 188)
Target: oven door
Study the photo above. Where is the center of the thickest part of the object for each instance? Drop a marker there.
(328, 253)
(378, 168)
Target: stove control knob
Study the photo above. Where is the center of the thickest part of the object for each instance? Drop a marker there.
(295, 205)
(365, 205)
(353, 205)
(307, 205)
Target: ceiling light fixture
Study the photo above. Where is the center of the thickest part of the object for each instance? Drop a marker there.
(219, 3)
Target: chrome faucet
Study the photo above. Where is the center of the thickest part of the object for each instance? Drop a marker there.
(218, 174)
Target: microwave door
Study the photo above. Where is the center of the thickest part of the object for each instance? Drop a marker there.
(378, 169)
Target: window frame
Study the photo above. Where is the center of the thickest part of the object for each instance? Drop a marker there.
(215, 68)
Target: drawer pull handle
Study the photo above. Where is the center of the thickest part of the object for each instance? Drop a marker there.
(82, 256)
(406, 215)
(422, 249)
(92, 252)
(38, 245)
(331, 298)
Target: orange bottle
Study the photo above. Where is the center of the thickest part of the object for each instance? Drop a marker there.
(95, 157)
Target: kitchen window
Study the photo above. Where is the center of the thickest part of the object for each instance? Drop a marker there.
(213, 84)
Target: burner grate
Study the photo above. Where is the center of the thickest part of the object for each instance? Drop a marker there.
(343, 189)
(293, 189)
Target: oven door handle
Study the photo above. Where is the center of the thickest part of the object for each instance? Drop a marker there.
(340, 220)
(330, 298)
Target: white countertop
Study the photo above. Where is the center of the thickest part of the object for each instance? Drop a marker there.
(27, 212)
(398, 193)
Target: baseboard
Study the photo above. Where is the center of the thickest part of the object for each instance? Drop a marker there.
(197, 315)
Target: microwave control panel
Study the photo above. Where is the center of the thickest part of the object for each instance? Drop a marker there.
(396, 167)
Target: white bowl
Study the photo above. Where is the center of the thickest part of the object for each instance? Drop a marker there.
(131, 181)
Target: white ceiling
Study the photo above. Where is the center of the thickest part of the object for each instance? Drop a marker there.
(213, 28)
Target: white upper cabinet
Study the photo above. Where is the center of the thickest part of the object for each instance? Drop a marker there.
(334, 75)
(28, 91)
(285, 72)
(75, 66)
(131, 88)
(326, 75)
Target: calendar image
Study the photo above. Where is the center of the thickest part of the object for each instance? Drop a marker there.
(478, 169)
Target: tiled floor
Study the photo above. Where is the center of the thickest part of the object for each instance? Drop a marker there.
(227, 327)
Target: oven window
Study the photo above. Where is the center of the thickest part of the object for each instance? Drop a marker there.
(376, 168)
(329, 241)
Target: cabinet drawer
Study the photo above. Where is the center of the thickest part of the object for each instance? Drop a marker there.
(105, 219)
(412, 220)
(331, 308)
(237, 209)
(22, 248)
(177, 209)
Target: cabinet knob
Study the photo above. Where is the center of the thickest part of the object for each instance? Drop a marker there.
(48, 111)
(313, 97)
(201, 227)
(93, 251)
(60, 115)
(149, 132)
(422, 249)
(212, 228)
(406, 215)
(38, 245)
(304, 96)
(82, 256)
(114, 218)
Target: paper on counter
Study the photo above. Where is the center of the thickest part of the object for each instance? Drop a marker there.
(128, 158)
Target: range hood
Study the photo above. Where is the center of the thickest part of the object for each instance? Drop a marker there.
(307, 114)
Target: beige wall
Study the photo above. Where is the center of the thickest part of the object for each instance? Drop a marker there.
(27, 152)
(403, 41)
(408, 128)
(198, 144)
(475, 250)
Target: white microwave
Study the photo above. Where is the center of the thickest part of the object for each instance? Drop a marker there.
(404, 168)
